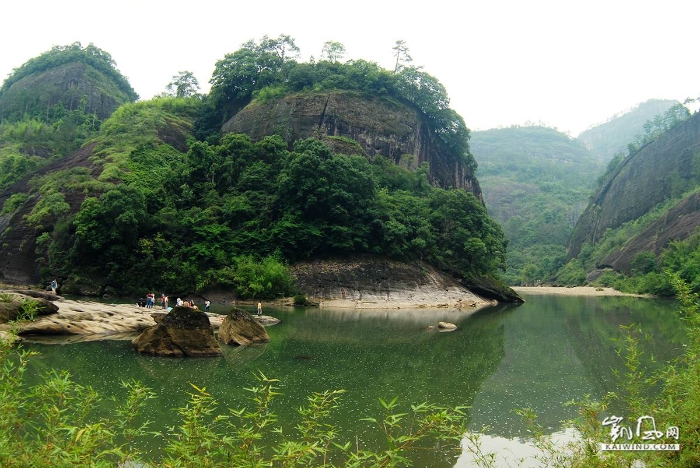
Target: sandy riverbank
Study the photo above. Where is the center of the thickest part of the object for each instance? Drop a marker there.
(574, 291)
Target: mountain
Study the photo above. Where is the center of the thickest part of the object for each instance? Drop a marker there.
(536, 181)
(53, 103)
(65, 79)
(612, 137)
(647, 200)
(143, 204)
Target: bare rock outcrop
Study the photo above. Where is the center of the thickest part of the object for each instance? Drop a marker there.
(183, 332)
(372, 283)
(240, 328)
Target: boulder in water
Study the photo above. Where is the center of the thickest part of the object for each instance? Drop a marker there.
(240, 328)
(183, 332)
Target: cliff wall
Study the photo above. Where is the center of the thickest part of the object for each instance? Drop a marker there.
(380, 126)
(639, 183)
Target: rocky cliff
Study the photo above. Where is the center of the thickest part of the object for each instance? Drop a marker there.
(680, 221)
(367, 282)
(379, 126)
(76, 85)
(640, 182)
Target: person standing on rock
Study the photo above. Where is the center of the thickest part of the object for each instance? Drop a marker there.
(206, 306)
(163, 301)
(54, 286)
(259, 309)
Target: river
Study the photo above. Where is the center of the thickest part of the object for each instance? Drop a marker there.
(538, 355)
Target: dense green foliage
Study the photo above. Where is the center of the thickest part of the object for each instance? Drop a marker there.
(536, 181)
(267, 69)
(229, 215)
(43, 122)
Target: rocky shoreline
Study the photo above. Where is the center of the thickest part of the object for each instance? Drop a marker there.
(89, 321)
(72, 321)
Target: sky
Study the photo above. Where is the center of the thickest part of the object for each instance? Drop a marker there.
(567, 64)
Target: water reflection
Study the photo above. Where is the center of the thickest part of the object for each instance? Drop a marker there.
(538, 355)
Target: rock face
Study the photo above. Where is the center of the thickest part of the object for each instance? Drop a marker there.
(18, 258)
(381, 127)
(679, 223)
(68, 84)
(240, 328)
(369, 283)
(639, 183)
(183, 332)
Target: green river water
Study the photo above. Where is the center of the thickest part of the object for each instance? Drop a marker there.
(540, 355)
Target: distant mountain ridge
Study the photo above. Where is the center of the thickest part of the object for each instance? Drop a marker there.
(611, 137)
(535, 182)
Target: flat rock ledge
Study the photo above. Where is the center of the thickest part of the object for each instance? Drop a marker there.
(95, 319)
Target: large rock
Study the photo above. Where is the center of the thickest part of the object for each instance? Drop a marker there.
(88, 318)
(240, 328)
(183, 332)
(366, 282)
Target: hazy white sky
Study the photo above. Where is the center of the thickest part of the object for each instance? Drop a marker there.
(566, 63)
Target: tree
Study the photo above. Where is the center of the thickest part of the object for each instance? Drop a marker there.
(282, 46)
(251, 68)
(401, 53)
(184, 84)
(332, 51)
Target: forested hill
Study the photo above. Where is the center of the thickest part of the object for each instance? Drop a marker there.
(535, 181)
(62, 80)
(612, 137)
(145, 205)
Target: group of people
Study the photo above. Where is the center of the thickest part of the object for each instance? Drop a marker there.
(149, 301)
